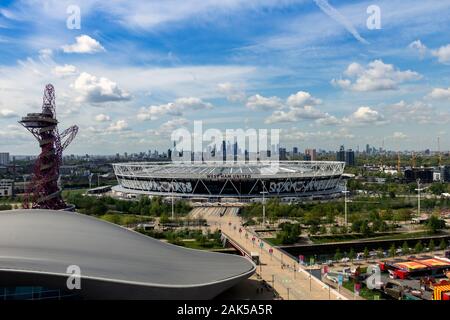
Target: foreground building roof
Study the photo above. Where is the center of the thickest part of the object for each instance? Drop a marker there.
(37, 246)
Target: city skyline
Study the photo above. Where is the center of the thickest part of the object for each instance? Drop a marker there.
(142, 70)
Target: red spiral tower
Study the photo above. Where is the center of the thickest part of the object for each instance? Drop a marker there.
(43, 191)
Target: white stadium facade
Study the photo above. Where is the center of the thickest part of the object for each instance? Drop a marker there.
(224, 181)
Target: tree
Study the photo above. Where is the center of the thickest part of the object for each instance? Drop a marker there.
(313, 229)
(402, 215)
(380, 253)
(392, 250)
(343, 230)
(438, 188)
(334, 230)
(419, 247)
(442, 245)
(431, 245)
(164, 219)
(366, 253)
(352, 254)
(405, 248)
(338, 255)
(365, 229)
(356, 225)
(435, 224)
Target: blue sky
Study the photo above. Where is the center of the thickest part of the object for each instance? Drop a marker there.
(137, 70)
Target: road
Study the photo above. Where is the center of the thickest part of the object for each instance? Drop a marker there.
(291, 281)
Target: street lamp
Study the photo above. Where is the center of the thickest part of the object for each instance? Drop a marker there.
(418, 196)
(264, 205)
(173, 214)
(90, 179)
(345, 191)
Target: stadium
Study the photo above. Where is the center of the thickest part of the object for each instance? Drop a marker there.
(240, 181)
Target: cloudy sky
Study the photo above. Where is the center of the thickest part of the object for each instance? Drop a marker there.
(136, 70)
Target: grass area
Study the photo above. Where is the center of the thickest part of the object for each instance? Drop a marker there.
(66, 192)
(341, 238)
(406, 236)
(189, 238)
(384, 236)
(273, 241)
(364, 292)
(200, 246)
(125, 219)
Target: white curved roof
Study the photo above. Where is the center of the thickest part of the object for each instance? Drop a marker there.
(49, 241)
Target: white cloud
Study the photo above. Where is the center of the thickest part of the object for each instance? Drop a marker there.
(155, 112)
(13, 134)
(296, 114)
(192, 103)
(339, 18)
(419, 47)
(7, 113)
(98, 90)
(119, 125)
(439, 93)
(64, 71)
(417, 112)
(399, 135)
(258, 102)
(168, 127)
(302, 99)
(376, 76)
(45, 55)
(233, 92)
(328, 121)
(298, 106)
(102, 118)
(83, 44)
(176, 108)
(364, 116)
(173, 124)
(294, 134)
(443, 54)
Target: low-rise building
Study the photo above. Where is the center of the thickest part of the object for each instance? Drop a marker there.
(6, 188)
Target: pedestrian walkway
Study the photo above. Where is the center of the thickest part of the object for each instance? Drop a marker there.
(291, 280)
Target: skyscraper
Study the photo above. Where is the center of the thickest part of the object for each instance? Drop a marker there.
(350, 158)
(311, 153)
(4, 158)
(340, 155)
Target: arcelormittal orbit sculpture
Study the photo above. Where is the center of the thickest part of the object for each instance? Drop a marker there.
(43, 191)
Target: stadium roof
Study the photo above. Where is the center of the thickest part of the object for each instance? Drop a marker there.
(49, 241)
(218, 170)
